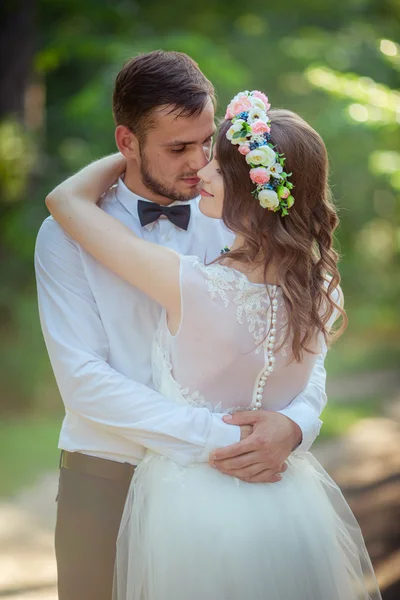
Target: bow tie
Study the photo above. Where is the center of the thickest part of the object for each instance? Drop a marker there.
(149, 212)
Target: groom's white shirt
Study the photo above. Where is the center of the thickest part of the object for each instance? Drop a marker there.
(99, 332)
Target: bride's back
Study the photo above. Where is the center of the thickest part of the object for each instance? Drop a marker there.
(226, 345)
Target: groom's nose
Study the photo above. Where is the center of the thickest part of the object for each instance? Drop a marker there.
(199, 158)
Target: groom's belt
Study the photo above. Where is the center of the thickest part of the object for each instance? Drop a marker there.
(97, 467)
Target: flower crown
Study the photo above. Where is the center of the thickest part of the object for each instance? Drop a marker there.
(250, 129)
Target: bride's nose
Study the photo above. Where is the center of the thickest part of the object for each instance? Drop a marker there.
(202, 173)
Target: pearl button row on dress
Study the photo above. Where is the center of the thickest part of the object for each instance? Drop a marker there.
(270, 352)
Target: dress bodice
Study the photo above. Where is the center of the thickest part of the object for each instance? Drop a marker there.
(224, 342)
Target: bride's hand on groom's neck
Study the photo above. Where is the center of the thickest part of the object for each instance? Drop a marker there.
(89, 184)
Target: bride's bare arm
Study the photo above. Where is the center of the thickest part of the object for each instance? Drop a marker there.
(149, 267)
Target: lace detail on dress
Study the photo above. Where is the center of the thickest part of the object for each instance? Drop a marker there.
(252, 303)
(236, 409)
(193, 398)
(251, 300)
(196, 399)
(219, 280)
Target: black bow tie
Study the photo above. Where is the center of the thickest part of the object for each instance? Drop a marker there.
(149, 212)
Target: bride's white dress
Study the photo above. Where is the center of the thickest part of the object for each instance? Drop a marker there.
(192, 533)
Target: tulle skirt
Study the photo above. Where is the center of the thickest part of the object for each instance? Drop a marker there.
(192, 533)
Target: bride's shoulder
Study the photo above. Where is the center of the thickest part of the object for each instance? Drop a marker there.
(191, 260)
(208, 270)
(211, 275)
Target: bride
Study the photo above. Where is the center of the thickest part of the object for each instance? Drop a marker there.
(248, 325)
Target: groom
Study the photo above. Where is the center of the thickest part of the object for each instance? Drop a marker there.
(99, 330)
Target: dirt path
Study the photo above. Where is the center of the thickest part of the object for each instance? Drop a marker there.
(27, 562)
(384, 383)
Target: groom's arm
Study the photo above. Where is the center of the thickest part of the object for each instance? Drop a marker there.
(78, 348)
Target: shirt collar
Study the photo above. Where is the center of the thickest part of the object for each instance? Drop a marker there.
(129, 201)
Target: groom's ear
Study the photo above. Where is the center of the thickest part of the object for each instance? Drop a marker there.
(127, 142)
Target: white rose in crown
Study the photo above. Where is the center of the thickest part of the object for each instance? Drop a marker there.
(256, 113)
(235, 128)
(268, 199)
(276, 170)
(264, 155)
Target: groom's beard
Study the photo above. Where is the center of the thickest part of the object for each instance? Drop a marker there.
(157, 187)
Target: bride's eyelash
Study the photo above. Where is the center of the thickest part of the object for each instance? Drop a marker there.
(178, 150)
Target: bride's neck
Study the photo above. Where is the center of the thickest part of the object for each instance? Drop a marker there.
(238, 243)
(253, 270)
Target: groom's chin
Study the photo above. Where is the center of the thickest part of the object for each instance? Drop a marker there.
(192, 193)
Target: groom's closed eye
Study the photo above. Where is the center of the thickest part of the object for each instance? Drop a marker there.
(180, 148)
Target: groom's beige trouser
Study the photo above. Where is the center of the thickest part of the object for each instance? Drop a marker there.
(91, 499)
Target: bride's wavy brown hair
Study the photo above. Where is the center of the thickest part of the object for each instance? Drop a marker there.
(298, 246)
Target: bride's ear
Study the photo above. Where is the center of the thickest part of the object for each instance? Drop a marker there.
(127, 142)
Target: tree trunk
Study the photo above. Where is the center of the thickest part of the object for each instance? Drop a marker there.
(17, 45)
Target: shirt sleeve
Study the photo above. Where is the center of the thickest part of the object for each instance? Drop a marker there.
(78, 349)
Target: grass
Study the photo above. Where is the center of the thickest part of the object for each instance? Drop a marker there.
(28, 448)
(354, 355)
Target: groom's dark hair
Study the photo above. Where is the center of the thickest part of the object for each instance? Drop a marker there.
(159, 79)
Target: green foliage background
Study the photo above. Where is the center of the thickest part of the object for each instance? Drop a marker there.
(335, 62)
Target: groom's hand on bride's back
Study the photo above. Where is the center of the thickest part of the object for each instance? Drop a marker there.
(267, 439)
(245, 431)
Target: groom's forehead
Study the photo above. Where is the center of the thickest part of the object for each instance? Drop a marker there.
(169, 124)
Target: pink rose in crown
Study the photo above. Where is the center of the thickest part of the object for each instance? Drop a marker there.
(244, 98)
(244, 149)
(260, 127)
(259, 175)
(229, 114)
(243, 104)
(262, 97)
